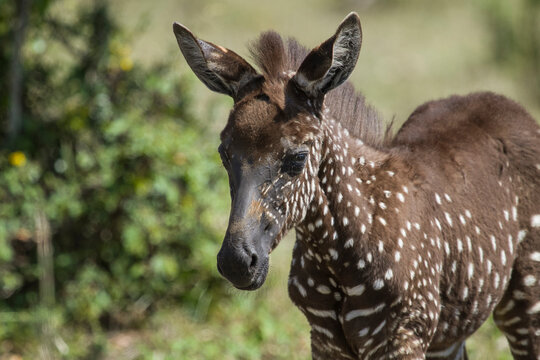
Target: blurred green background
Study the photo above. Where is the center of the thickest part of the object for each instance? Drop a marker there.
(113, 202)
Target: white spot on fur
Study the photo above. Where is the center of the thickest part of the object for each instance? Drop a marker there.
(535, 256)
(300, 288)
(364, 312)
(448, 218)
(521, 235)
(355, 291)
(534, 309)
(363, 332)
(535, 220)
(470, 271)
(322, 330)
(529, 280)
(322, 313)
(323, 289)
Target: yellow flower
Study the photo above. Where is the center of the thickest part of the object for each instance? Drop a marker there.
(126, 63)
(17, 158)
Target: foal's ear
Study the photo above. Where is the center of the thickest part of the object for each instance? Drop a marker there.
(220, 69)
(330, 64)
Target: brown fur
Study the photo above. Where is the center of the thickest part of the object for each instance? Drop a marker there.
(404, 245)
(274, 57)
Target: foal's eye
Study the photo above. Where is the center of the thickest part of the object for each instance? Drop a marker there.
(293, 164)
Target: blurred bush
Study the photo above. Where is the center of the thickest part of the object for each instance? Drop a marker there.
(515, 30)
(110, 155)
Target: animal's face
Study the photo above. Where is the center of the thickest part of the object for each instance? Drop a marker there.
(271, 145)
(272, 163)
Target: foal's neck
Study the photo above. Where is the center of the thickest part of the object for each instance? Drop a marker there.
(348, 168)
(341, 212)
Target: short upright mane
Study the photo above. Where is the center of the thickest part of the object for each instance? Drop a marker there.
(274, 57)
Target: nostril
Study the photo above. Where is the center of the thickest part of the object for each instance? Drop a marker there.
(267, 227)
(254, 260)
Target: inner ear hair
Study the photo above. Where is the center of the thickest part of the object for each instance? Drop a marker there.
(220, 69)
(331, 63)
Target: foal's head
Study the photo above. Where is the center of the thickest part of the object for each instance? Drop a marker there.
(271, 145)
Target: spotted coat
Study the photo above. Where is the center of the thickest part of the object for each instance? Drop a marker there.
(404, 244)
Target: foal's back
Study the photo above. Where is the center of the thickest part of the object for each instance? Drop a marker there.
(470, 138)
(484, 150)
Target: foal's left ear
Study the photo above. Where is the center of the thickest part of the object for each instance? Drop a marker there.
(220, 69)
(330, 64)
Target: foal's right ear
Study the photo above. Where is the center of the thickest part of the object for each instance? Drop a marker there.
(220, 69)
(330, 64)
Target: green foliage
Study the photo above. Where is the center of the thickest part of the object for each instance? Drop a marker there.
(515, 29)
(110, 153)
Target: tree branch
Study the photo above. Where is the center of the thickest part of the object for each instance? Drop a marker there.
(16, 78)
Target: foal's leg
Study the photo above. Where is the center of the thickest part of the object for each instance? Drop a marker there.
(322, 348)
(518, 313)
(455, 352)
